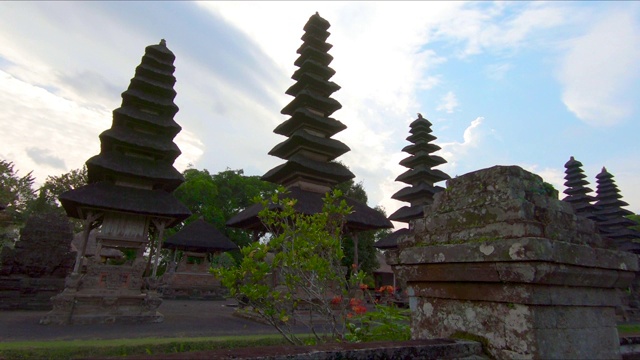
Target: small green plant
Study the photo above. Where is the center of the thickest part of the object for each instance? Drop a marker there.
(294, 276)
(385, 322)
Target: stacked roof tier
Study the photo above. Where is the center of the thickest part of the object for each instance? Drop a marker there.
(309, 149)
(134, 171)
(610, 216)
(577, 189)
(420, 176)
(200, 236)
(140, 144)
(309, 171)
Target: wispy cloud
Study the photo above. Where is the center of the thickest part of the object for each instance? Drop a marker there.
(498, 72)
(448, 103)
(43, 157)
(599, 67)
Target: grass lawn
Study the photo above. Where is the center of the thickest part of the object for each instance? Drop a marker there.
(122, 347)
(628, 329)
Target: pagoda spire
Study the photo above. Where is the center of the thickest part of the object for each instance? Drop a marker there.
(139, 144)
(309, 150)
(577, 189)
(610, 216)
(420, 176)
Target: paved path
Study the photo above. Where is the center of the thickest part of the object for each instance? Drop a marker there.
(182, 318)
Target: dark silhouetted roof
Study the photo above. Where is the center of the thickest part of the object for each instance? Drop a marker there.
(200, 236)
(107, 196)
(391, 241)
(308, 202)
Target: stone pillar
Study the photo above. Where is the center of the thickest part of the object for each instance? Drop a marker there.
(499, 259)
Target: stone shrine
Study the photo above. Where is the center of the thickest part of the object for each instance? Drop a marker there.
(191, 278)
(498, 259)
(34, 271)
(128, 199)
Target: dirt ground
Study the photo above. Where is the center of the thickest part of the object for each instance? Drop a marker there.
(182, 318)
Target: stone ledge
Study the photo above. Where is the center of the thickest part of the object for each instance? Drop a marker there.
(532, 272)
(512, 250)
(516, 293)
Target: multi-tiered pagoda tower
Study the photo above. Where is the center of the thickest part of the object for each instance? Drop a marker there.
(310, 171)
(421, 176)
(309, 148)
(129, 198)
(610, 216)
(578, 192)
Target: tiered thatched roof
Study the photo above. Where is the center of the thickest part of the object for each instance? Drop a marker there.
(420, 176)
(200, 236)
(134, 171)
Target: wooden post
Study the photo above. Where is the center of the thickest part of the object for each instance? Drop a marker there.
(91, 217)
(160, 224)
(355, 250)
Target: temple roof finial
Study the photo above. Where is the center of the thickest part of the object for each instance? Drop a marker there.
(163, 42)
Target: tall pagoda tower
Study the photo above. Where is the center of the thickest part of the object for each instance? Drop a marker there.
(610, 216)
(309, 150)
(577, 189)
(421, 176)
(128, 197)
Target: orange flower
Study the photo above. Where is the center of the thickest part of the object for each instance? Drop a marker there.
(336, 300)
(364, 286)
(355, 302)
(349, 315)
(359, 309)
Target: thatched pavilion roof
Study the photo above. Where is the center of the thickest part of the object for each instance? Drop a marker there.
(200, 236)
(362, 218)
(391, 241)
(107, 196)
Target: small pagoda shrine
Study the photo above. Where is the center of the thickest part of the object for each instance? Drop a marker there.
(577, 191)
(310, 170)
(198, 242)
(128, 198)
(420, 177)
(610, 216)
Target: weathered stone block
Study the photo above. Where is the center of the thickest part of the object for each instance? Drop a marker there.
(499, 258)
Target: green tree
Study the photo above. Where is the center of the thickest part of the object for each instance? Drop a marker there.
(297, 277)
(367, 260)
(16, 192)
(636, 218)
(217, 198)
(53, 187)
(298, 268)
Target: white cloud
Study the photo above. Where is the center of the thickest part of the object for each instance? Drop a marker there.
(449, 103)
(454, 151)
(483, 26)
(498, 72)
(599, 68)
(51, 135)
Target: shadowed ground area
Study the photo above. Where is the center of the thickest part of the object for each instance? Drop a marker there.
(182, 318)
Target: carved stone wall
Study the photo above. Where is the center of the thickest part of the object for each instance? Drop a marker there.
(34, 271)
(498, 258)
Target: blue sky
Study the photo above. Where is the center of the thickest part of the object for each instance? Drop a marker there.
(504, 83)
